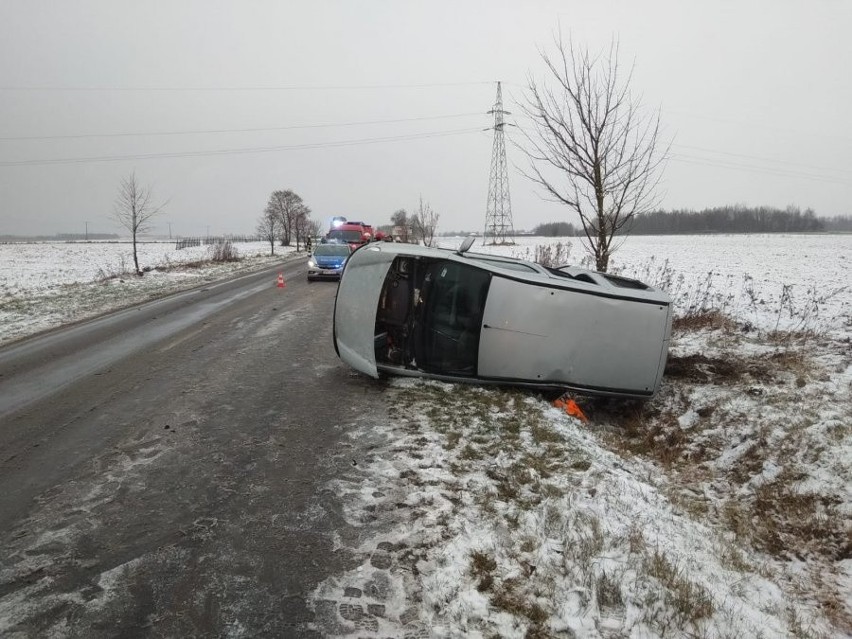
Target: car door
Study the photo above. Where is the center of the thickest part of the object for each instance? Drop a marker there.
(355, 308)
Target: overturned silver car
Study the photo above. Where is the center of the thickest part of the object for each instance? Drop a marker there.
(410, 310)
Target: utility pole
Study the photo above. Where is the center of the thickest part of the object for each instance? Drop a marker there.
(170, 230)
(87, 231)
(498, 211)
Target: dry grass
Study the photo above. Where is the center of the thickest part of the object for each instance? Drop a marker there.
(608, 591)
(649, 433)
(224, 252)
(482, 569)
(776, 517)
(730, 369)
(748, 411)
(690, 601)
(510, 596)
(783, 521)
(704, 319)
(773, 513)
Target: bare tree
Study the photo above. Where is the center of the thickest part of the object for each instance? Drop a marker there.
(286, 206)
(424, 223)
(401, 225)
(267, 229)
(590, 145)
(313, 228)
(133, 209)
(300, 217)
(306, 229)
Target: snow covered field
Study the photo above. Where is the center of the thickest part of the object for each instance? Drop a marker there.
(48, 284)
(37, 266)
(783, 281)
(720, 509)
(765, 279)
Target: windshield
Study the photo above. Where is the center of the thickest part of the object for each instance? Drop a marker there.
(340, 250)
(344, 236)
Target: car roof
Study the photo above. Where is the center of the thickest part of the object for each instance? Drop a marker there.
(566, 277)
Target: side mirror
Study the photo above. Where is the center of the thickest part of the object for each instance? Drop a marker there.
(466, 244)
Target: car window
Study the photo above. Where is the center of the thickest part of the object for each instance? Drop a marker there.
(344, 236)
(453, 298)
(341, 250)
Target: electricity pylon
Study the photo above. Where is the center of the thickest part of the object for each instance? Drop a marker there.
(498, 212)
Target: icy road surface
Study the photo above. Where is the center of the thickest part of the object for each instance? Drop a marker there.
(173, 482)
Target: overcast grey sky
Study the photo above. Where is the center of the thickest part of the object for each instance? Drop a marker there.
(755, 95)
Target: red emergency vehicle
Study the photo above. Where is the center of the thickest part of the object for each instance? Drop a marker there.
(353, 233)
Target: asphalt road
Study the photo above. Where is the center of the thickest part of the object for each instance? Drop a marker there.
(165, 471)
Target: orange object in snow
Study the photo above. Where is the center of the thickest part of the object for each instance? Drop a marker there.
(281, 283)
(572, 408)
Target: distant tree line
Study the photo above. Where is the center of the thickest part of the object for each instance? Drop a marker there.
(838, 224)
(556, 229)
(724, 219)
(732, 219)
(59, 237)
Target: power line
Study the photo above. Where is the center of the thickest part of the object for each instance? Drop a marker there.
(723, 164)
(250, 130)
(293, 147)
(763, 159)
(756, 123)
(753, 168)
(341, 87)
(749, 167)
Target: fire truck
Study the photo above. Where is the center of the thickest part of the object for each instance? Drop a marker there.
(353, 233)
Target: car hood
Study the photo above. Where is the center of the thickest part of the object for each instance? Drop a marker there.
(329, 261)
(355, 308)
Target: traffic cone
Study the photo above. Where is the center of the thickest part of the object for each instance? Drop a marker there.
(281, 283)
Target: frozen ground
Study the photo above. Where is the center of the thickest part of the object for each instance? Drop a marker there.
(722, 508)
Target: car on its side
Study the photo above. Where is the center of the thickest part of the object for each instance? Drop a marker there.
(410, 310)
(327, 261)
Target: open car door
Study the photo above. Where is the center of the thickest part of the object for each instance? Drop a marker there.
(355, 308)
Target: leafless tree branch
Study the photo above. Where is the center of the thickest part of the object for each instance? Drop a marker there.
(267, 228)
(424, 223)
(134, 208)
(590, 145)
